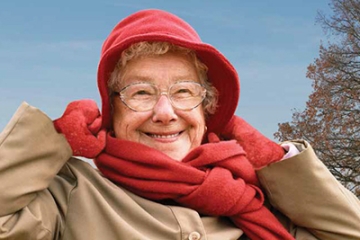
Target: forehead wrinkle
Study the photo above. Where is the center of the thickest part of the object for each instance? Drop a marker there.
(142, 70)
(143, 78)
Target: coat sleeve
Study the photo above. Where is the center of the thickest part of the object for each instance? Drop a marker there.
(303, 189)
(31, 154)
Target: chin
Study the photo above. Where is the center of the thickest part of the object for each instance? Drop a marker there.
(176, 151)
(178, 155)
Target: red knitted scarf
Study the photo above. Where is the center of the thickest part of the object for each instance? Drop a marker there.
(214, 179)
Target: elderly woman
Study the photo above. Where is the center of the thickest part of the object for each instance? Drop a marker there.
(173, 161)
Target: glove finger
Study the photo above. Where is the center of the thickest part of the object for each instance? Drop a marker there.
(102, 138)
(94, 146)
(95, 126)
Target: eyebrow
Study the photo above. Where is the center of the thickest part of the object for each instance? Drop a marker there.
(144, 78)
(141, 78)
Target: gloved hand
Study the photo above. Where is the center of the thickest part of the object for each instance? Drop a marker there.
(260, 150)
(81, 123)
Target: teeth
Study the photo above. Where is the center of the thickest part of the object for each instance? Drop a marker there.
(164, 136)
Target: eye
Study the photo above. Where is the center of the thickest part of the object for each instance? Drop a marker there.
(183, 90)
(182, 93)
(142, 92)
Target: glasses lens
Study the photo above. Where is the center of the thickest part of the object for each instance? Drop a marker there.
(143, 96)
(187, 95)
(140, 96)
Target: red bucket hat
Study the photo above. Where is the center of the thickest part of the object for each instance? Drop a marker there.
(158, 25)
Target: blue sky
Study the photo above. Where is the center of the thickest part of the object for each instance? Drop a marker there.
(49, 50)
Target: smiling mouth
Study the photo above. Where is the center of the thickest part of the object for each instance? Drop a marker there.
(163, 136)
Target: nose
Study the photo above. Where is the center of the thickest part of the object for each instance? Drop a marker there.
(163, 111)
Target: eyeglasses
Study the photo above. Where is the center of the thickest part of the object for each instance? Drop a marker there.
(141, 97)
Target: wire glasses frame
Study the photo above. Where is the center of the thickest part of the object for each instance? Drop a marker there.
(143, 96)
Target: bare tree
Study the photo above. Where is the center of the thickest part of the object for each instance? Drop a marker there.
(331, 119)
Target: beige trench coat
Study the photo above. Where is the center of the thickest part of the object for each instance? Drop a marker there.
(47, 194)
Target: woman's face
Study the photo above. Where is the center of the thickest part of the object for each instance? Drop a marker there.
(169, 130)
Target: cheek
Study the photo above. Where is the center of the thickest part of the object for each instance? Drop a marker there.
(121, 122)
(127, 122)
(119, 125)
(199, 117)
(197, 122)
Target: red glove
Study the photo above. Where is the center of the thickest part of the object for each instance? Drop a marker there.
(260, 150)
(81, 123)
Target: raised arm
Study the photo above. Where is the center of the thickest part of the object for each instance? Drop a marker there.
(31, 154)
(304, 190)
